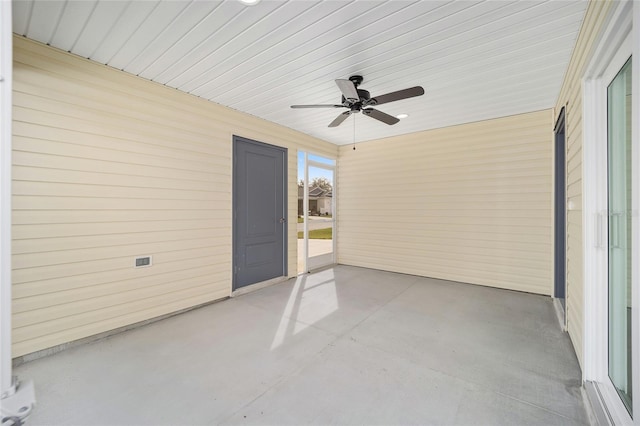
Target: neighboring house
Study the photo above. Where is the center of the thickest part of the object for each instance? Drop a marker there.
(320, 201)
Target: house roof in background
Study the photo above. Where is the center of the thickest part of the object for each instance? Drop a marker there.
(475, 59)
(315, 192)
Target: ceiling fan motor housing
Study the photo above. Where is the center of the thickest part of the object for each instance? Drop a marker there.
(364, 96)
(356, 80)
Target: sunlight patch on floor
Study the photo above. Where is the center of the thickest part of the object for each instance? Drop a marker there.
(310, 301)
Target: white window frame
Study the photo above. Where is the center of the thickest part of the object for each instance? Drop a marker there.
(617, 42)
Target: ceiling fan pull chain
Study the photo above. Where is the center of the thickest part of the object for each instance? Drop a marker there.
(354, 132)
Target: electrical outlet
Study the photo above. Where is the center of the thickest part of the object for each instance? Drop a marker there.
(143, 261)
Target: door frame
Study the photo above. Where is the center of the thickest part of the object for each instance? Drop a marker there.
(285, 209)
(610, 54)
(334, 168)
(7, 384)
(560, 211)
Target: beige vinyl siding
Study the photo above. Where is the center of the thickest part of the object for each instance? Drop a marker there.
(571, 98)
(106, 167)
(468, 203)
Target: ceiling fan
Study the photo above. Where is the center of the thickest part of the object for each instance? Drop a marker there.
(360, 100)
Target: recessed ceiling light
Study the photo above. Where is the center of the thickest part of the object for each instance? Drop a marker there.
(249, 2)
(402, 115)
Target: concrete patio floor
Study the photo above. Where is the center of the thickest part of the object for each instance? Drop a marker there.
(342, 346)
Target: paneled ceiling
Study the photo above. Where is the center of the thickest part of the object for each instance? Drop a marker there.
(475, 59)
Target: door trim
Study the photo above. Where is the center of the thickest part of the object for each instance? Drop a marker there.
(285, 207)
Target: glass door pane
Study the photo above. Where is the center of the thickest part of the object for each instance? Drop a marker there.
(320, 214)
(619, 227)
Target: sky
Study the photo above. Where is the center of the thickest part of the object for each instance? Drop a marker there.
(314, 171)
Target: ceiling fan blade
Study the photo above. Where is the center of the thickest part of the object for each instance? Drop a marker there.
(317, 106)
(348, 90)
(339, 119)
(381, 116)
(396, 96)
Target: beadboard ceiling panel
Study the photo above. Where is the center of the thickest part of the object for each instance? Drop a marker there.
(475, 59)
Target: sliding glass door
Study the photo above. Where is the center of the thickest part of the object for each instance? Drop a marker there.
(610, 221)
(619, 186)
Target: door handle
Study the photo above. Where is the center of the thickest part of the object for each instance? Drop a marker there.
(598, 230)
(283, 220)
(615, 229)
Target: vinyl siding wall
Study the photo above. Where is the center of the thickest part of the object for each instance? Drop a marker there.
(470, 203)
(571, 98)
(107, 167)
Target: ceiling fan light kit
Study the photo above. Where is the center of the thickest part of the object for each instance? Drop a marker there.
(357, 100)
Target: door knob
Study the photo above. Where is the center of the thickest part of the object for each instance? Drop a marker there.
(282, 220)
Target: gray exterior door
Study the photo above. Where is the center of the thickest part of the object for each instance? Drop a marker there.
(259, 212)
(560, 211)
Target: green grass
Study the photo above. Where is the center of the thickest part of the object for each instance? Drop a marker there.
(318, 234)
